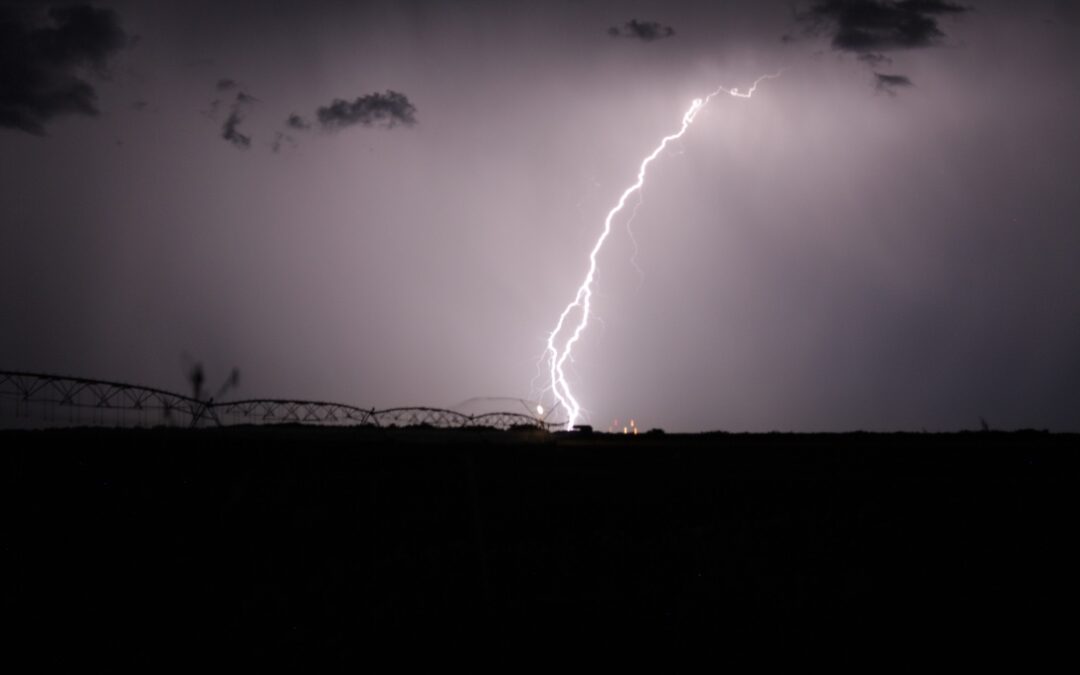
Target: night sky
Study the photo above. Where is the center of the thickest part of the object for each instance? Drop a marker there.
(389, 203)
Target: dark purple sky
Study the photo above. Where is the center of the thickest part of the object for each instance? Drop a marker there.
(886, 237)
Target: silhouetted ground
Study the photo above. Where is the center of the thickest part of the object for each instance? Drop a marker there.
(296, 545)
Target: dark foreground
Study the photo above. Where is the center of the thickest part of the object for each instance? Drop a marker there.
(301, 546)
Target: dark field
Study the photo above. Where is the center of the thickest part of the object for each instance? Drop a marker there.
(294, 545)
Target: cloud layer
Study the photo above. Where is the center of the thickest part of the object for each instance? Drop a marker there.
(870, 27)
(43, 60)
(866, 26)
(389, 110)
(647, 31)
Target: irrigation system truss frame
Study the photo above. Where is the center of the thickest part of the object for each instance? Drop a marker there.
(49, 397)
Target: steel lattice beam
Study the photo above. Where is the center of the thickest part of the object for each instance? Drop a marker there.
(56, 392)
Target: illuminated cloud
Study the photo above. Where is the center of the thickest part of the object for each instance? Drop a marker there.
(389, 109)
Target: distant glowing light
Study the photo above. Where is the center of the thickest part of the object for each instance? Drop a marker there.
(560, 342)
(539, 410)
(630, 428)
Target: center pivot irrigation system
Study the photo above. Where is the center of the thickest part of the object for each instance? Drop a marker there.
(37, 399)
(575, 317)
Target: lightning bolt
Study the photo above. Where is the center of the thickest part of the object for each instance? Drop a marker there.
(558, 352)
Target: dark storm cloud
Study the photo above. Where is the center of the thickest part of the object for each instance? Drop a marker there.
(227, 84)
(230, 133)
(889, 83)
(866, 26)
(646, 31)
(229, 130)
(43, 58)
(294, 121)
(391, 109)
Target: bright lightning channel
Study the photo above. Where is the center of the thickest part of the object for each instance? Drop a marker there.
(557, 355)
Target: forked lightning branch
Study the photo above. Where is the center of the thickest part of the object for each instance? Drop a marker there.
(574, 319)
